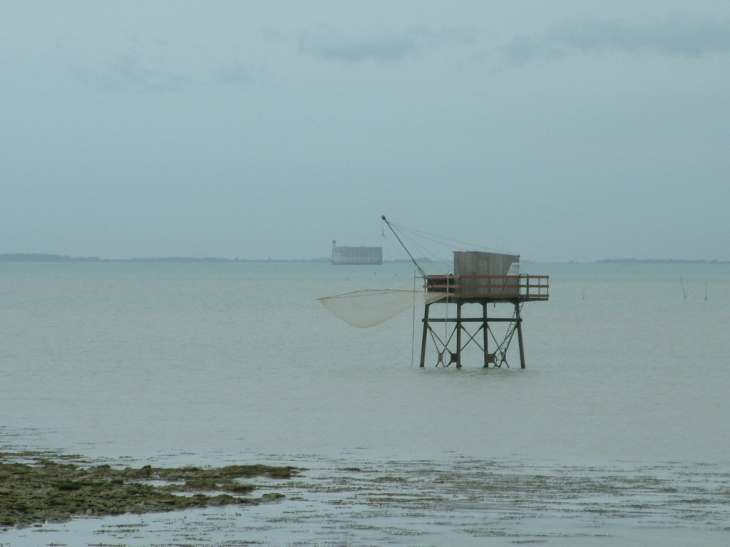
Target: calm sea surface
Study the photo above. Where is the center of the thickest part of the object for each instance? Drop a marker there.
(617, 433)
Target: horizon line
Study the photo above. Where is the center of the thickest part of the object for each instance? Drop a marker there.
(47, 257)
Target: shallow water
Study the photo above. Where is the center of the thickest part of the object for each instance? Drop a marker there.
(627, 380)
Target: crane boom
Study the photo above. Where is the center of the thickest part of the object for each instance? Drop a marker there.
(420, 270)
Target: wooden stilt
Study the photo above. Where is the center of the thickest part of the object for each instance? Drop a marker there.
(425, 334)
(485, 328)
(519, 334)
(458, 335)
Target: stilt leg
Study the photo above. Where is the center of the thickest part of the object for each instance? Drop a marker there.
(519, 334)
(458, 335)
(485, 328)
(425, 333)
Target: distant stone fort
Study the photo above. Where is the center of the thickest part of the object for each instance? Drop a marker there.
(356, 255)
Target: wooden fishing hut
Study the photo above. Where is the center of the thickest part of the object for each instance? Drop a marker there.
(480, 279)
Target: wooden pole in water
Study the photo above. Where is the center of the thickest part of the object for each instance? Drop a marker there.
(458, 335)
(423, 338)
(485, 327)
(519, 334)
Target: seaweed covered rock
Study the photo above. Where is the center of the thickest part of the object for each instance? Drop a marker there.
(35, 488)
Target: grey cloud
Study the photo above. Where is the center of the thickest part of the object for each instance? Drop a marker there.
(270, 34)
(329, 43)
(680, 34)
(232, 75)
(128, 73)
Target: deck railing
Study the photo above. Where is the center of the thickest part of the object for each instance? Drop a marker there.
(491, 287)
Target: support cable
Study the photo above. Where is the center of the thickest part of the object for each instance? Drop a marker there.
(423, 273)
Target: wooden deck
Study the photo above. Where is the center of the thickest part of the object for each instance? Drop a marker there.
(490, 288)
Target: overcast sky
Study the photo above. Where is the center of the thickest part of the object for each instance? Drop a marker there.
(558, 130)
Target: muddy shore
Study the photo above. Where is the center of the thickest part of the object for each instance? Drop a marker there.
(39, 487)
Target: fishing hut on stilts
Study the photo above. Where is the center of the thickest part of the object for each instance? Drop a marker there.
(479, 279)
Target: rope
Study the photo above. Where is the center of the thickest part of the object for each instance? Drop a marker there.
(436, 239)
(413, 323)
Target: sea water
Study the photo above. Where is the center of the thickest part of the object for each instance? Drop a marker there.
(616, 433)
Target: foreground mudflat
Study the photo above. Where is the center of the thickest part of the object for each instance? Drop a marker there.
(35, 488)
(422, 503)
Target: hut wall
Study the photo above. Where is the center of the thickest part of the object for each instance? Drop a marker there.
(467, 263)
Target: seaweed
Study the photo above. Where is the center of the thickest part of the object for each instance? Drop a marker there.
(36, 487)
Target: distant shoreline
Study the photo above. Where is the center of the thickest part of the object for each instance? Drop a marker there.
(658, 261)
(51, 258)
(37, 257)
